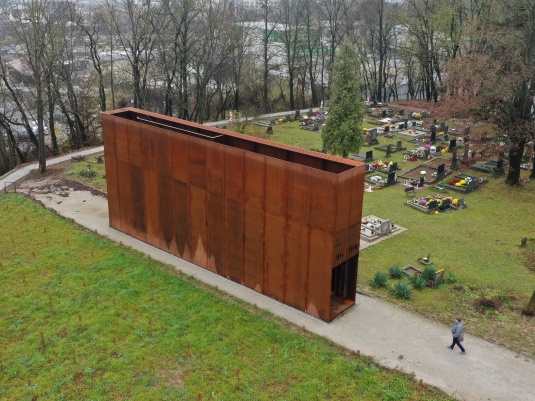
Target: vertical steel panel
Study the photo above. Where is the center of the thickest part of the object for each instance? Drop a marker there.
(299, 193)
(319, 276)
(182, 218)
(323, 202)
(197, 162)
(179, 147)
(138, 203)
(152, 209)
(125, 196)
(216, 232)
(253, 251)
(276, 187)
(297, 236)
(198, 236)
(165, 188)
(234, 240)
(215, 165)
(254, 180)
(234, 166)
(274, 256)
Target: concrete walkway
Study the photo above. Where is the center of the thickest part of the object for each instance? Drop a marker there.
(394, 337)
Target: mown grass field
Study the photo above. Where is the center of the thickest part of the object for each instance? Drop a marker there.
(83, 318)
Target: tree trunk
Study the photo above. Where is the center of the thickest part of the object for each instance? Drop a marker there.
(515, 159)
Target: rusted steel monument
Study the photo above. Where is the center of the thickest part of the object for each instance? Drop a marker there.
(278, 219)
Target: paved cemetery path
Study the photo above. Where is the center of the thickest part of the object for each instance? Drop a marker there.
(394, 337)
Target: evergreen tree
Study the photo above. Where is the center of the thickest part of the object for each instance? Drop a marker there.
(342, 133)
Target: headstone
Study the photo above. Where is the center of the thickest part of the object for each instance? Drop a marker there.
(441, 170)
(432, 204)
(322, 118)
(454, 158)
(373, 137)
(453, 145)
(297, 114)
(272, 122)
(391, 178)
(269, 130)
(394, 167)
(422, 181)
(286, 118)
(385, 227)
(369, 155)
(384, 113)
(388, 150)
(399, 145)
(423, 114)
(445, 130)
(387, 128)
(401, 112)
(433, 135)
(442, 125)
(310, 113)
(465, 155)
(427, 154)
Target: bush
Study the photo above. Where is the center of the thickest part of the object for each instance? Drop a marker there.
(88, 173)
(429, 273)
(379, 280)
(401, 290)
(395, 271)
(418, 281)
(451, 278)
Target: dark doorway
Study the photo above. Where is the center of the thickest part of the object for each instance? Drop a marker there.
(343, 285)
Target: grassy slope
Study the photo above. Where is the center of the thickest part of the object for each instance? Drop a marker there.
(84, 319)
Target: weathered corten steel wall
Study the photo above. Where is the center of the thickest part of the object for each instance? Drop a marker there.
(278, 219)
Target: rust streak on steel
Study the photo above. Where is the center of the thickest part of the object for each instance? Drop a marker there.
(281, 220)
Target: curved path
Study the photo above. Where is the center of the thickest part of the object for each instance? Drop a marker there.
(394, 337)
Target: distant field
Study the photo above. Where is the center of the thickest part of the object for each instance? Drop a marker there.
(83, 318)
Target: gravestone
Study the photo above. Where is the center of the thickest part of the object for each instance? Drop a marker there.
(373, 137)
(385, 227)
(401, 112)
(287, 118)
(311, 113)
(432, 204)
(269, 130)
(297, 114)
(442, 125)
(322, 118)
(453, 145)
(422, 182)
(387, 128)
(394, 167)
(388, 151)
(445, 130)
(272, 122)
(399, 145)
(369, 155)
(454, 158)
(441, 170)
(384, 113)
(433, 134)
(427, 154)
(465, 155)
(391, 178)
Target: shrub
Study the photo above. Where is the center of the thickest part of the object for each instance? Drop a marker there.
(395, 271)
(379, 280)
(401, 290)
(88, 173)
(418, 281)
(429, 273)
(451, 278)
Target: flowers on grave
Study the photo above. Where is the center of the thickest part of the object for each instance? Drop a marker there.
(455, 202)
(423, 202)
(423, 173)
(436, 211)
(444, 150)
(454, 181)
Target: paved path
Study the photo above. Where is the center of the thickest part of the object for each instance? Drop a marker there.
(394, 337)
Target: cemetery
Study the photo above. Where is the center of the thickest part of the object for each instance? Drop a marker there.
(463, 183)
(373, 228)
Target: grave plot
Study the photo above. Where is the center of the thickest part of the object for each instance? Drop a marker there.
(363, 157)
(432, 172)
(432, 204)
(490, 166)
(463, 183)
(391, 148)
(381, 180)
(373, 228)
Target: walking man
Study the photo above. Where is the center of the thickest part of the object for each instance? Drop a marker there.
(457, 331)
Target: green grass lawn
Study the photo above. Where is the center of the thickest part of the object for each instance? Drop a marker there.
(83, 318)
